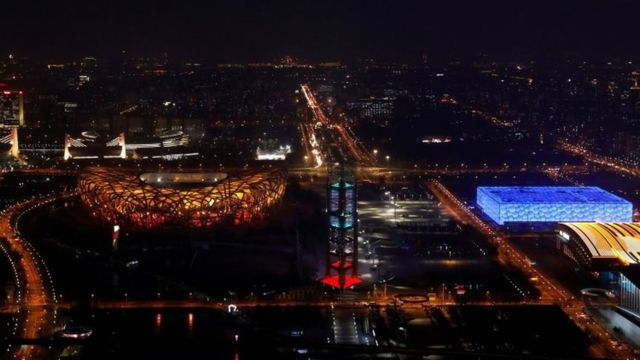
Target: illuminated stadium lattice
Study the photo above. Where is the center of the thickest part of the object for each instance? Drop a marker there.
(184, 199)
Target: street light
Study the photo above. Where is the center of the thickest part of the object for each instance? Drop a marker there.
(393, 203)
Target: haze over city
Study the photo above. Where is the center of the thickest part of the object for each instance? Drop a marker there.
(250, 31)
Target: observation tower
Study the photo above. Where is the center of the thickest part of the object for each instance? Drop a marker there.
(342, 247)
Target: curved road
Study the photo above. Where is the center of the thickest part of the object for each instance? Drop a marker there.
(35, 295)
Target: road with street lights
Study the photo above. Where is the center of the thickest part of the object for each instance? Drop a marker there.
(35, 298)
(337, 141)
(550, 290)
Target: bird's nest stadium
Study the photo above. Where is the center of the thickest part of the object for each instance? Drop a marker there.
(183, 199)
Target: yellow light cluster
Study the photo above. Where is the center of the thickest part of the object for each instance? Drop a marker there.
(121, 197)
(608, 240)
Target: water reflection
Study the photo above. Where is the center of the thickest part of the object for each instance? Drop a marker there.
(158, 322)
(190, 322)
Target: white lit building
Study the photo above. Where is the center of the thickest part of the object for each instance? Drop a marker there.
(279, 153)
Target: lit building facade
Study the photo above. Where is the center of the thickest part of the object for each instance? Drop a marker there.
(167, 145)
(600, 246)
(279, 153)
(516, 204)
(11, 109)
(629, 295)
(611, 250)
(342, 257)
(379, 110)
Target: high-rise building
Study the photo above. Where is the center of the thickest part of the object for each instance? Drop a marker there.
(11, 109)
(377, 110)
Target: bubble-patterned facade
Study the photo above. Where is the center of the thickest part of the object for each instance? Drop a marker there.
(182, 199)
(504, 204)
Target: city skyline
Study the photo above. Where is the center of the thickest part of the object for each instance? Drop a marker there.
(317, 179)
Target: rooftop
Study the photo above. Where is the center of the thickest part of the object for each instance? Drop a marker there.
(182, 178)
(551, 194)
(609, 240)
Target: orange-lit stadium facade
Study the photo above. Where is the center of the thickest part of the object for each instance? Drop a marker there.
(123, 197)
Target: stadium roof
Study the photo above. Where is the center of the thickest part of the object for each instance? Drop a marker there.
(551, 194)
(609, 240)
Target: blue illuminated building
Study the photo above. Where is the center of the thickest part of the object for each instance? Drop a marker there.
(505, 204)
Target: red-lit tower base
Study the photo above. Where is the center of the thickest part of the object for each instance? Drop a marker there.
(342, 251)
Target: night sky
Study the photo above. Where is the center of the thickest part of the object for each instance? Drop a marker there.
(320, 30)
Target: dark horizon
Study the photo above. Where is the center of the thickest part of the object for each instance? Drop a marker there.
(245, 31)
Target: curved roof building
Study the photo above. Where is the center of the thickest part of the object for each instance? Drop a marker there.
(601, 245)
(186, 199)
